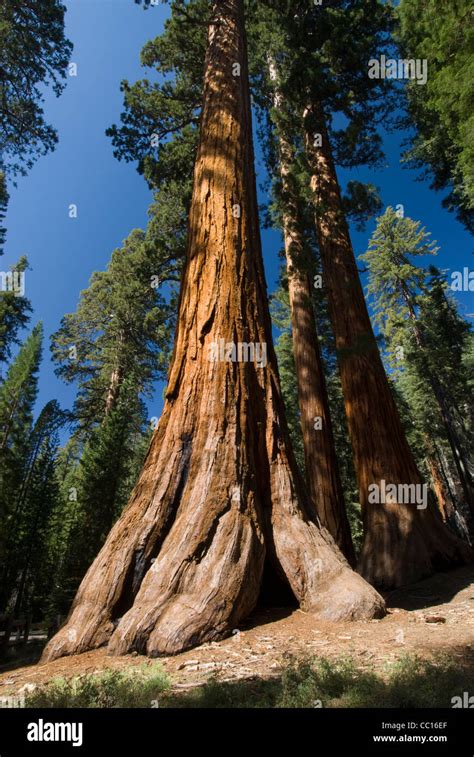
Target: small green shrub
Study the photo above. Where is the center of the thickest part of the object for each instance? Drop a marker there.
(112, 688)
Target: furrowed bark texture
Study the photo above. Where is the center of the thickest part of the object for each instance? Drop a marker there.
(322, 469)
(445, 505)
(402, 543)
(219, 494)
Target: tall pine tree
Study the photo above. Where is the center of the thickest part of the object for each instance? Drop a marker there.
(423, 322)
(17, 397)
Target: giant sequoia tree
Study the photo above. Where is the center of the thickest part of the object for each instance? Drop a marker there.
(322, 471)
(219, 498)
(402, 543)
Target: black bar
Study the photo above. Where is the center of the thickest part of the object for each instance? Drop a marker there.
(312, 731)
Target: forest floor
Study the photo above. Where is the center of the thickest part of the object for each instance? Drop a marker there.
(432, 617)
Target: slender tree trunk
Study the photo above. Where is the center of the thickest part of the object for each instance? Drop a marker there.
(8, 626)
(322, 469)
(220, 494)
(462, 520)
(113, 390)
(402, 543)
(446, 468)
(443, 496)
(116, 379)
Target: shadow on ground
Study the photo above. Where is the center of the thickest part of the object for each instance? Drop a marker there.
(435, 590)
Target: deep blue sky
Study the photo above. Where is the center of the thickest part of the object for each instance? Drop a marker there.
(112, 198)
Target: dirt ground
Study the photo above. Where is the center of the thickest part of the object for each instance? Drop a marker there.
(433, 616)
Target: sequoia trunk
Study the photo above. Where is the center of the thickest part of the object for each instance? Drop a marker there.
(402, 542)
(219, 494)
(322, 470)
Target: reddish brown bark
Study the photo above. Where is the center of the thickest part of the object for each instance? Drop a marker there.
(322, 469)
(444, 502)
(402, 543)
(219, 496)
